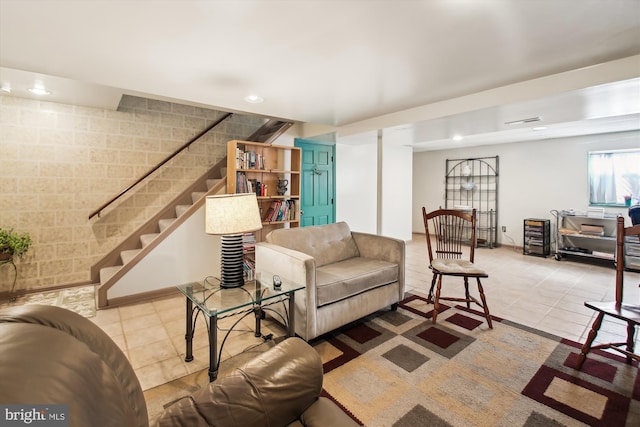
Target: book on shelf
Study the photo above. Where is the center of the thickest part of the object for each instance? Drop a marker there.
(248, 242)
(292, 209)
(280, 210)
(268, 214)
(241, 182)
(248, 269)
(248, 159)
(273, 211)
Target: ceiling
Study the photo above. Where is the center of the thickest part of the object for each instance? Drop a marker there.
(424, 69)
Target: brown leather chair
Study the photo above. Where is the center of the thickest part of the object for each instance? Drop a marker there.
(280, 387)
(50, 355)
(54, 356)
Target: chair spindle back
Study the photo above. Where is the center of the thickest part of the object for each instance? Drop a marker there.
(450, 229)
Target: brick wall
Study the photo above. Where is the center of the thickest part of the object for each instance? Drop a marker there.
(59, 162)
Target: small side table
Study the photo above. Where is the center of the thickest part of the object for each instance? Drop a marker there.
(214, 303)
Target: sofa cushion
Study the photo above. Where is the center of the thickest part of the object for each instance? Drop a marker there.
(325, 243)
(344, 279)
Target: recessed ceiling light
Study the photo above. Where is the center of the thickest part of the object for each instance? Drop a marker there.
(6, 88)
(254, 99)
(457, 138)
(39, 91)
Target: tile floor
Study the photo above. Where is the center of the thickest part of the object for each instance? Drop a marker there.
(538, 292)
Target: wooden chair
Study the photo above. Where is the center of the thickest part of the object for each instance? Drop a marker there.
(630, 313)
(447, 231)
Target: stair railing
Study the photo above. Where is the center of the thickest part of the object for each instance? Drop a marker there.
(159, 165)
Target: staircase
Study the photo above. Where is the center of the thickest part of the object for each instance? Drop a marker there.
(140, 243)
(270, 131)
(113, 266)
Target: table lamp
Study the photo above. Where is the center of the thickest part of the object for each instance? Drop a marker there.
(229, 216)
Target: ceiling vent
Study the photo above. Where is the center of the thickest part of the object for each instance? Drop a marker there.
(523, 121)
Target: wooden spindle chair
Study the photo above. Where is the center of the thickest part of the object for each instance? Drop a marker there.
(627, 312)
(448, 230)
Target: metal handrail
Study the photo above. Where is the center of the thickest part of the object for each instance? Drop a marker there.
(159, 165)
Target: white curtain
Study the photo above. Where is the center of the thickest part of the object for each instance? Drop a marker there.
(602, 185)
(613, 176)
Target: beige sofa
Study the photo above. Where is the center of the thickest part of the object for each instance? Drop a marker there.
(347, 275)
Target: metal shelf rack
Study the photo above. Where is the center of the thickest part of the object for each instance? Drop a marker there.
(473, 183)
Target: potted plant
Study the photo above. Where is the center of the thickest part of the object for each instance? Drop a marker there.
(12, 245)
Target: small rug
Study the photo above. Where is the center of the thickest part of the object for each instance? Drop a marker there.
(81, 300)
(397, 368)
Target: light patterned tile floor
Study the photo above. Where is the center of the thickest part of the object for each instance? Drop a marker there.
(538, 292)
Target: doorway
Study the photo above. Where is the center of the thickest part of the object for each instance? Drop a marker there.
(317, 203)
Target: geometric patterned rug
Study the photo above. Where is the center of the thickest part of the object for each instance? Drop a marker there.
(397, 368)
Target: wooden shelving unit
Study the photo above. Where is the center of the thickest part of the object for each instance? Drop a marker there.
(265, 164)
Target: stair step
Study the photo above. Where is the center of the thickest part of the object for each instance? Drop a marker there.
(145, 239)
(128, 255)
(108, 272)
(180, 209)
(223, 172)
(212, 182)
(164, 223)
(197, 195)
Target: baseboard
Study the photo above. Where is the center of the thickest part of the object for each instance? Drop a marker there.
(21, 292)
(141, 297)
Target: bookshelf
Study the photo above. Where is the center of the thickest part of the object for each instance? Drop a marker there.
(256, 167)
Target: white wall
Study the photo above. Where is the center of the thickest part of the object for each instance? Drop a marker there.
(186, 255)
(373, 184)
(396, 177)
(356, 185)
(535, 177)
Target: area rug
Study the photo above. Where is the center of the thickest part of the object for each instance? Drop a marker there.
(397, 368)
(81, 300)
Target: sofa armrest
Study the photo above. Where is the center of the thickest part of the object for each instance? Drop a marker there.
(383, 248)
(294, 267)
(290, 265)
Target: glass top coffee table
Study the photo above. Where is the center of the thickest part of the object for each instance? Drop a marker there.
(214, 303)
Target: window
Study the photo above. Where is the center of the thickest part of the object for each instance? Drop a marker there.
(614, 176)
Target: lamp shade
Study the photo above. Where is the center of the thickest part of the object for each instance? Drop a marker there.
(232, 214)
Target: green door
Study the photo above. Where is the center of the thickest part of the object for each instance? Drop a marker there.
(318, 178)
